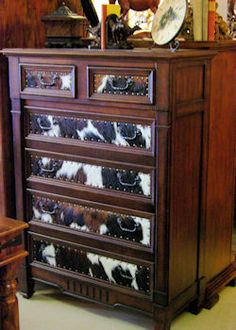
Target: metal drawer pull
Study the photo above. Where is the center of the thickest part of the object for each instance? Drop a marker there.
(45, 128)
(125, 183)
(48, 84)
(126, 229)
(48, 171)
(129, 137)
(129, 81)
(48, 212)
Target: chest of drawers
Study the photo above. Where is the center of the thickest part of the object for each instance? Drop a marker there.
(110, 149)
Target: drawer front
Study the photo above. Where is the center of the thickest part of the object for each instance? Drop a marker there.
(95, 221)
(127, 181)
(125, 134)
(134, 276)
(43, 80)
(124, 85)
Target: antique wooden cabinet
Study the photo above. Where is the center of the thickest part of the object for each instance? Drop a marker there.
(110, 152)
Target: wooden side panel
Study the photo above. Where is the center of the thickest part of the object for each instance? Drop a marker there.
(184, 208)
(191, 89)
(188, 143)
(6, 151)
(220, 203)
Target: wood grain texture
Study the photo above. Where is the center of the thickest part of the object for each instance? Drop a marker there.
(221, 167)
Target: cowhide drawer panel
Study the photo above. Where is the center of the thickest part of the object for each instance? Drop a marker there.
(121, 84)
(135, 276)
(44, 80)
(91, 220)
(115, 133)
(128, 181)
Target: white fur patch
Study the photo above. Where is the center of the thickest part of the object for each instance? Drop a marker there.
(103, 84)
(55, 128)
(145, 224)
(69, 170)
(109, 265)
(145, 183)
(89, 129)
(66, 82)
(45, 161)
(74, 225)
(93, 258)
(50, 255)
(94, 175)
(37, 214)
(46, 218)
(103, 229)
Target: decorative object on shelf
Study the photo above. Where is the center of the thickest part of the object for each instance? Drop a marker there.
(197, 18)
(232, 18)
(94, 24)
(222, 30)
(107, 10)
(211, 20)
(168, 22)
(138, 5)
(186, 32)
(116, 32)
(64, 28)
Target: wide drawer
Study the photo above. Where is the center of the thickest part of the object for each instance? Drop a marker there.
(92, 220)
(130, 133)
(128, 179)
(119, 272)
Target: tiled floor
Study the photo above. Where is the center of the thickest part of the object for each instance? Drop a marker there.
(50, 310)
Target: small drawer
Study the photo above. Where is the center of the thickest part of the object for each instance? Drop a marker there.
(123, 85)
(60, 168)
(114, 133)
(114, 226)
(118, 272)
(44, 80)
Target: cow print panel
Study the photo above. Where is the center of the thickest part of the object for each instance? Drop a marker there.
(77, 217)
(128, 85)
(118, 134)
(92, 175)
(116, 272)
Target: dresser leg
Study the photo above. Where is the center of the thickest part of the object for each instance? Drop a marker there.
(162, 325)
(233, 283)
(9, 315)
(195, 307)
(210, 302)
(26, 283)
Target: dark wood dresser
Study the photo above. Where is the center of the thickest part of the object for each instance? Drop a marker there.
(110, 149)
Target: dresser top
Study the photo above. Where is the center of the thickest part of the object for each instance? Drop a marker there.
(10, 227)
(144, 53)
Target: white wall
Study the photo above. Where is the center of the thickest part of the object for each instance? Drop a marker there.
(223, 8)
